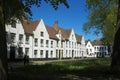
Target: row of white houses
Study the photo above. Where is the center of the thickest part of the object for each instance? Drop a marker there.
(39, 41)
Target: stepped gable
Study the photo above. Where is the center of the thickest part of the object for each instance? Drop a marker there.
(78, 38)
(30, 26)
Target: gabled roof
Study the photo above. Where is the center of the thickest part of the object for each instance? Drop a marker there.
(78, 37)
(65, 33)
(52, 32)
(97, 42)
(30, 26)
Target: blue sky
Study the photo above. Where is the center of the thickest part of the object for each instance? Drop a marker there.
(74, 17)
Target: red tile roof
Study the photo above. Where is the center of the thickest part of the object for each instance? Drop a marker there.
(78, 37)
(65, 33)
(52, 32)
(97, 42)
(30, 26)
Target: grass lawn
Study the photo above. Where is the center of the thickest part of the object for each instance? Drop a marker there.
(95, 69)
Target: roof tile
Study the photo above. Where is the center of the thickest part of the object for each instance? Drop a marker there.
(30, 26)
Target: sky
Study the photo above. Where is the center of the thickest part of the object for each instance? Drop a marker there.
(68, 18)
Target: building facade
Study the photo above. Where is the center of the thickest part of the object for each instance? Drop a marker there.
(39, 41)
(98, 49)
(90, 49)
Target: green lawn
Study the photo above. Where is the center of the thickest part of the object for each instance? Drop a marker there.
(65, 70)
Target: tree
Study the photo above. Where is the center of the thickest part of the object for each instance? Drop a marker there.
(115, 65)
(102, 18)
(106, 17)
(9, 13)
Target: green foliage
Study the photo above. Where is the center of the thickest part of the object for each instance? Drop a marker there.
(102, 17)
(21, 9)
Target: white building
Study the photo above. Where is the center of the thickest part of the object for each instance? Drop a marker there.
(90, 49)
(39, 41)
(98, 49)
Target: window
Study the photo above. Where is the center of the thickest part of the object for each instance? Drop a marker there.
(41, 42)
(51, 53)
(20, 52)
(13, 24)
(88, 45)
(105, 48)
(36, 42)
(13, 36)
(87, 51)
(66, 53)
(27, 39)
(102, 48)
(66, 44)
(61, 44)
(90, 50)
(20, 38)
(57, 44)
(47, 43)
(51, 44)
(35, 53)
(69, 44)
(95, 48)
(98, 48)
(26, 50)
(41, 53)
(42, 34)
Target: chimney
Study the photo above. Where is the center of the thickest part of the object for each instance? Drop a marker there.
(56, 26)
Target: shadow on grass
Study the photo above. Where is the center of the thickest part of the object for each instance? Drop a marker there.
(90, 69)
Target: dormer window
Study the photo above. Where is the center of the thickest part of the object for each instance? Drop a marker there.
(13, 24)
(42, 34)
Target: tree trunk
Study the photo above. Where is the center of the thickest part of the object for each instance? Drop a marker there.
(3, 53)
(115, 64)
(3, 46)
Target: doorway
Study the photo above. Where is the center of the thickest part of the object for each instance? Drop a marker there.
(12, 53)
